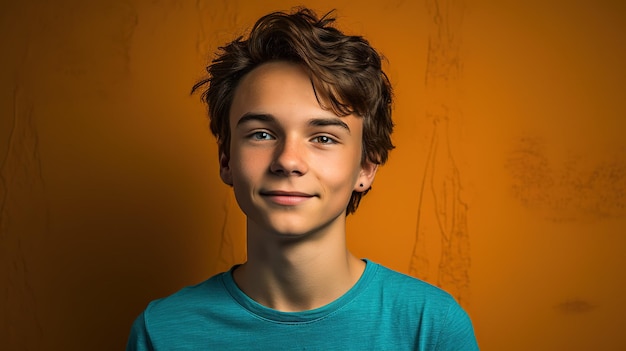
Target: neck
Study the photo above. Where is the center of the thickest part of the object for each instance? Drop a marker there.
(297, 274)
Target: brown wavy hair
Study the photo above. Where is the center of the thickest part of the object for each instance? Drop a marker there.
(345, 70)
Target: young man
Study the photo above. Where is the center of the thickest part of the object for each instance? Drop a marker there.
(302, 115)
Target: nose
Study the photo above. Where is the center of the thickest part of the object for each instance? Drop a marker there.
(289, 159)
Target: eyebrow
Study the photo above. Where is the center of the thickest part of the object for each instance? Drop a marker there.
(314, 122)
(261, 117)
(321, 122)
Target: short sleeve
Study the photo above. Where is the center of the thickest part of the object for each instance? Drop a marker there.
(457, 333)
(139, 339)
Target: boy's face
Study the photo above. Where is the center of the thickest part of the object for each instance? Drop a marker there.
(293, 165)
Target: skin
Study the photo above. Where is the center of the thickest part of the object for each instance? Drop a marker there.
(293, 166)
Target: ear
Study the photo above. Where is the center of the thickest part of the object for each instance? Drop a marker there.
(225, 171)
(366, 176)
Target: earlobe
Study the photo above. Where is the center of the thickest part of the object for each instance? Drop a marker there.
(366, 176)
(225, 172)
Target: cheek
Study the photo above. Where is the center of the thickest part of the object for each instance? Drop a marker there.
(341, 172)
(247, 161)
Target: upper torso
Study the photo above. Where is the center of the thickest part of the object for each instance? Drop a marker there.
(385, 310)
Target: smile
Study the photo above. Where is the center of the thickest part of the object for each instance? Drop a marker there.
(286, 198)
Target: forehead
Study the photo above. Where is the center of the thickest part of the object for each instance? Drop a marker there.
(274, 85)
(271, 71)
(283, 90)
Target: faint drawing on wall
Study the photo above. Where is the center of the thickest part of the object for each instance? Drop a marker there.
(24, 223)
(441, 251)
(578, 188)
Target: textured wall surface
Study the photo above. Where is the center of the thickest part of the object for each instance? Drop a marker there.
(507, 187)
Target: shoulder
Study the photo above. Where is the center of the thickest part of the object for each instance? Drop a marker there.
(435, 313)
(174, 317)
(183, 315)
(189, 306)
(187, 302)
(405, 287)
(409, 290)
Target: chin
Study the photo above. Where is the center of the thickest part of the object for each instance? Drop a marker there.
(294, 223)
(285, 228)
(293, 231)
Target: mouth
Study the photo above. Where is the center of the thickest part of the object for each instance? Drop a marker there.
(286, 198)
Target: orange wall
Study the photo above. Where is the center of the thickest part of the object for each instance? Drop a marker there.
(510, 167)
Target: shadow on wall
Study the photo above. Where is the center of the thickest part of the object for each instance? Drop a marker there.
(82, 255)
(108, 192)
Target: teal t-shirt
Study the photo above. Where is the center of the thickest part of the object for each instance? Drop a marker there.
(384, 310)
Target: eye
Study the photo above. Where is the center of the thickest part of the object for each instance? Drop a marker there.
(324, 139)
(261, 136)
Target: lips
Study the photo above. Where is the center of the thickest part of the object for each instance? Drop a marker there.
(286, 198)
